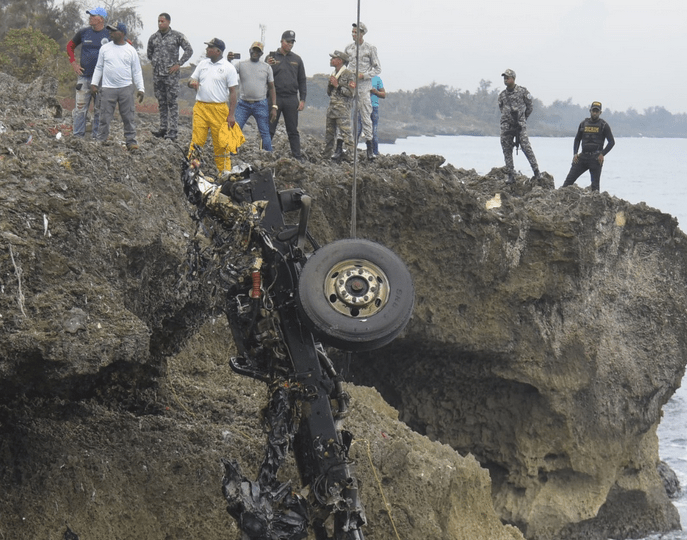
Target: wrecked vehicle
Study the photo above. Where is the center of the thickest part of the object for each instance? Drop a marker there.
(284, 304)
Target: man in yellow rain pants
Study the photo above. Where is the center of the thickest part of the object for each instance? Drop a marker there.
(216, 82)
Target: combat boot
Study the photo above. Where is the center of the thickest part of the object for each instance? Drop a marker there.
(511, 178)
(338, 153)
(159, 133)
(537, 175)
(370, 150)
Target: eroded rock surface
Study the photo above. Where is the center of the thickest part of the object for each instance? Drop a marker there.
(548, 333)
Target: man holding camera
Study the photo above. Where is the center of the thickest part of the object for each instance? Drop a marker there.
(291, 88)
(515, 104)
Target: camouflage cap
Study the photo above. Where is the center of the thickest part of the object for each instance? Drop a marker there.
(595, 105)
(362, 27)
(508, 73)
(342, 55)
(257, 45)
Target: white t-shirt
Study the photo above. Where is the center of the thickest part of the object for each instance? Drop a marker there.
(215, 79)
(118, 66)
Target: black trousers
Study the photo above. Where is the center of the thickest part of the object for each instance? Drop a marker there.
(288, 105)
(585, 162)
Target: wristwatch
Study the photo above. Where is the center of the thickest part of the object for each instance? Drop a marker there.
(275, 106)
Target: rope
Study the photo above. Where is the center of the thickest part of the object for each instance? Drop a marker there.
(379, 485)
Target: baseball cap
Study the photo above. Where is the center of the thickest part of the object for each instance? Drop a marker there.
(339, 54)
(215, 42)
(117, 27)
(257, 45)
(98, 11)
(289, 35)
(362, 27)
(595, 105)
(508, 73)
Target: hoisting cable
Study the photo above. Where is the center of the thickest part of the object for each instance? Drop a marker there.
(354, 192)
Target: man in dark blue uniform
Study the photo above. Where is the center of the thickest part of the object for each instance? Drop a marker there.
(591, 134)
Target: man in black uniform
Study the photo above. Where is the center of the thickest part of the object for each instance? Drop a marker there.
(591, 134)
(290, 85)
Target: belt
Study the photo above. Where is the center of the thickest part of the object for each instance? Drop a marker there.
(253, 100)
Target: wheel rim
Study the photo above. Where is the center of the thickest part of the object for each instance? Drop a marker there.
(357, 288)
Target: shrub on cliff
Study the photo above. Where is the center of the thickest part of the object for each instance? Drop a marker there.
(26, 54)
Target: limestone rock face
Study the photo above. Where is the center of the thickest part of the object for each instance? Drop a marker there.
(548, 333)
(553, 331)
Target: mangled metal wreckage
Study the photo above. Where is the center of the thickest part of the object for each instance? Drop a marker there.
(284, 305)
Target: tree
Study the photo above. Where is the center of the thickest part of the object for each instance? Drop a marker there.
(26, 53)
(61, 21)
(435, 100)
(124, 11)
(43, 15)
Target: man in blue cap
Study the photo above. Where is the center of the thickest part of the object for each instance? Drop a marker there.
(118, 69)
(91, 39)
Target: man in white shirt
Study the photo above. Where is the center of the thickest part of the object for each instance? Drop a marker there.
(215, 81)
(117, 71)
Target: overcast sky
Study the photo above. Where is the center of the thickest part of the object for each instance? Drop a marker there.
(624, 53)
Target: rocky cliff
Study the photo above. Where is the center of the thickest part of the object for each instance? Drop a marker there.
(548, 333)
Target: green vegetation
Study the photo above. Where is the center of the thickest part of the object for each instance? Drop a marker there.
(60, 21)
(438, 109)
(34, 35)
(27, 54)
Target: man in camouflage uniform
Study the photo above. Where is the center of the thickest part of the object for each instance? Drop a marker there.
(340, 90)
(515, 104)
(368, 66)
(163, 53)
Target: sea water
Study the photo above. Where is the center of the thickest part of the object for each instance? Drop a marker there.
(637, 170)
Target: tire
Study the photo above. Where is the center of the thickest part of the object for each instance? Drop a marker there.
(355, 295)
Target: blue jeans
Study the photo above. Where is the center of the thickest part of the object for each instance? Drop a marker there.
(374, 116)
(80, 112)
(260, 110)
(375, 122)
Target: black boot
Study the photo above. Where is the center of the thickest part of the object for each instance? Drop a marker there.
(159, 133)
(510, 179)
(338, 153)
(370, 150)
